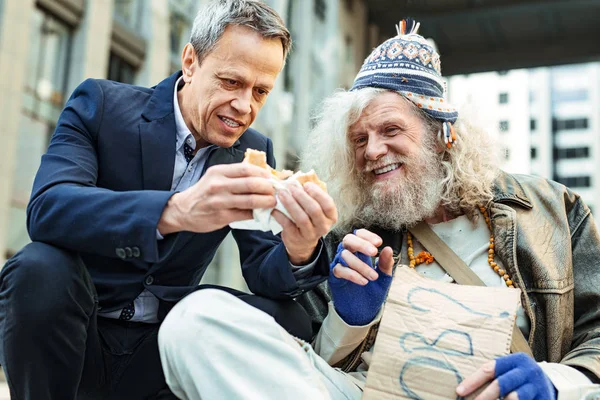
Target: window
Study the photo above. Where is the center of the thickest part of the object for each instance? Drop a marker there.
(532, 124)
(128, 12)
(504, 126)
(119, 70)
(47, 67)
(181, 19)
(533, 153)
(576, 181)
(569, 124)
(179, 30)
(503, 98)
(575, 152)
(321, 9)
(43, 98)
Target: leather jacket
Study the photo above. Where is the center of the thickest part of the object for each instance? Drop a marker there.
(547, 239)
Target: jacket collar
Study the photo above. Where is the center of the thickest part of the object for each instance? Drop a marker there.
(161, 101)
(508, 190)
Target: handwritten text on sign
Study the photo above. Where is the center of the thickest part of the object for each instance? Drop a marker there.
(433, 335)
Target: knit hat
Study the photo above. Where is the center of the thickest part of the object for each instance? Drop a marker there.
(410, 65)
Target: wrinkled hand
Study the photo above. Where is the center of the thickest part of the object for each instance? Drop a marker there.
(358, 289)
(517, 376)
(314, 213)
(225, 193)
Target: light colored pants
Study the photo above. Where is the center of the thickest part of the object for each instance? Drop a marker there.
(214, 346)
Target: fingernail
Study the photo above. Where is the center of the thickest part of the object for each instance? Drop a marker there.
(460, 390)
(373, 276)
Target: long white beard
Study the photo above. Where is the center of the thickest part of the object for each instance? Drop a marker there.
(407, 199)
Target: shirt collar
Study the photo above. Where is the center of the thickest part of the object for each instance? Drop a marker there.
(183, 133)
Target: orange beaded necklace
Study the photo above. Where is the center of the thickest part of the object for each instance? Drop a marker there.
(427, 258)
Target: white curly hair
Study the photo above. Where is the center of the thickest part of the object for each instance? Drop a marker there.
(468, 169)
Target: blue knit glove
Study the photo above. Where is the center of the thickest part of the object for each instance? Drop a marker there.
(520, 373)
(357, 305)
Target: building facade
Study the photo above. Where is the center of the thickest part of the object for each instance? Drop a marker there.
(47, 47)
(546, 120)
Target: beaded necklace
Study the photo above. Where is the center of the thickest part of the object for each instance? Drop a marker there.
(427, 258)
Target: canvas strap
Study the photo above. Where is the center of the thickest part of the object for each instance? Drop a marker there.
(461, 273)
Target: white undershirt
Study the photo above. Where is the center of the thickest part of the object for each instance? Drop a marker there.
(471, 243)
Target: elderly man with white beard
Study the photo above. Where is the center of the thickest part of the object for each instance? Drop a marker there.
(395, 155)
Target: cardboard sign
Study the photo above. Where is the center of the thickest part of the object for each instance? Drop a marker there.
(433, 335)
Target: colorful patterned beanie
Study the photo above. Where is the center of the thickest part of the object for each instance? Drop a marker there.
(408, 64)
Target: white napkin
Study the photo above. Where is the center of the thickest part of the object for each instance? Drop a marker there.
(262, 218)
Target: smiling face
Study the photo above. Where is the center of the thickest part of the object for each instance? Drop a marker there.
(386, 134)
(397, 163)
(224, 92)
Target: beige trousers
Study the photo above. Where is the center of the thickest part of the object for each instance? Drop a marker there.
(214, 346)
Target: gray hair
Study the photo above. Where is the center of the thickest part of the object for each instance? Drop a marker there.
(212, 19)
(469, 167)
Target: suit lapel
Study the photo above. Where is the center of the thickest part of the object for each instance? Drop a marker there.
(158, 140)
(158, 136)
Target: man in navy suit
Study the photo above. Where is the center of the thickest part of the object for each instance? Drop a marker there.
(130, 204)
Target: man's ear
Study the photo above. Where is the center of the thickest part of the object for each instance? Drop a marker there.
(188, 62)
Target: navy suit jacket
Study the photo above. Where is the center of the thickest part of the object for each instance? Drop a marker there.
(102, 187)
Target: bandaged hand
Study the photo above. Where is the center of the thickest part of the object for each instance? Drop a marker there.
(516, 376)
(358, 289)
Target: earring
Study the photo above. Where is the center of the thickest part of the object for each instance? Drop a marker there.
(448, 133)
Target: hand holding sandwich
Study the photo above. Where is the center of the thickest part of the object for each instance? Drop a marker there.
(229, 193)
(313, 213)
(225, 193)
(311, 210)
